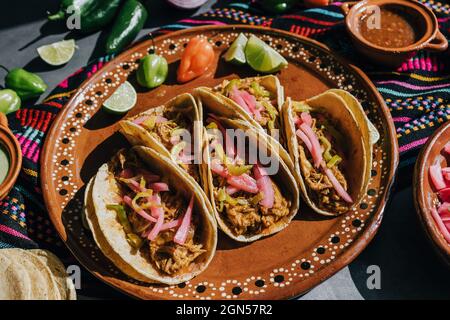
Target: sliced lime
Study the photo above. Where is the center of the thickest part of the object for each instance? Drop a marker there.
(57, 53)
(263, 58)
(235, 54)
(122, 100)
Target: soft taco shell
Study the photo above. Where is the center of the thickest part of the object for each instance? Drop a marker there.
(224, 107)
(105, 191)
(284, 179)
(358, 149)
(184, 104)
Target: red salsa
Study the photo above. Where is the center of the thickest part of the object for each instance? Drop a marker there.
(391, 30)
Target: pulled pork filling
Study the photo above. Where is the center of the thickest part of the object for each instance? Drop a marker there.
(245, 195)
(320, 188)
(168, 130)
(166, 255)
(253, 97)
(245, 216)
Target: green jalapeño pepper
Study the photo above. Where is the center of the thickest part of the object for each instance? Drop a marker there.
(278, 6)
(98, 15)
(152, 71)
(74, 6)
(27, 85)
(9, 101)
(129, 22)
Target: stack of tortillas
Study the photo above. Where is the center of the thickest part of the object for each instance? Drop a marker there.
(33, 275)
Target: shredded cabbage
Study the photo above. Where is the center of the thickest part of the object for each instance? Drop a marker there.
(150, 123)
(300, 106)
(259, 90)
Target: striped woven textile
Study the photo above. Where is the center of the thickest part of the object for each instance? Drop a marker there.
(417, 94)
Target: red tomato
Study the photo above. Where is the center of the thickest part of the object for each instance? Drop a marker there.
(316, 3)
(196, 59)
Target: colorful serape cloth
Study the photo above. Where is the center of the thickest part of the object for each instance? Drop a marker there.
(417, 94)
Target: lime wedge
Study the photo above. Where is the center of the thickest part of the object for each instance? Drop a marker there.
(235, 54)
(57, 53)
(263, 58)
(122, 100)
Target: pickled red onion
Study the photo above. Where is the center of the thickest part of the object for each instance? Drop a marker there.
(305, 139)
(436, 176)
(316, 149)
(157, 212)
(159, 186)
(182, 232)
(336, 185)
(265, 186)
(440, 224)
(142, 213)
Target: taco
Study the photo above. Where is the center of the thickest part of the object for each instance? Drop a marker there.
(169, 129)
(256, 100)
(250, 201)
(331, 146)
(150, 219)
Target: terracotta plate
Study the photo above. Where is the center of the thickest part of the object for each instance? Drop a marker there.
(309, 251)
(424, 196)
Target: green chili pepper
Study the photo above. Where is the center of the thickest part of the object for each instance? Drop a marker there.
(128, 24)
(9, 101)
(334, 161)
(152, 71)
(134, 240)
(236, 170)
(326, 152)
(278, 6)
(122, 215)
(233, 83)
(258, 90)
(78, 6)
(300, 106)
(98, 15)
(26, 84)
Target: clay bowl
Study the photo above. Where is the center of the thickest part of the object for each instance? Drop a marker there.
(419, 16)
(425, 197)
(12, 147)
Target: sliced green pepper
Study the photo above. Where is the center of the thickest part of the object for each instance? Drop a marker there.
(152, 71)
(236, 170)
(326, 153)
(300, 106)
(128, 24)
(9, 101)
(231, 84)
(259, 90)
(134, 240)
(122, 215)
(27, 85)
(334, 161)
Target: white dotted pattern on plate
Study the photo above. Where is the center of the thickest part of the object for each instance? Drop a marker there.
(352, 223)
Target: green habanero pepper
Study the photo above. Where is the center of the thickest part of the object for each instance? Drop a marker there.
(27, 85)
(278, 6)
(99, 15)
(152, 71)
(74, 6)
(128, 24)
(9, 101)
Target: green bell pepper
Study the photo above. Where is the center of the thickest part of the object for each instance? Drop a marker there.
(278, 6)
(79, 6)
(128, 24)
(9, 101)
(99, 15)
(152, 71)
(27, 85)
